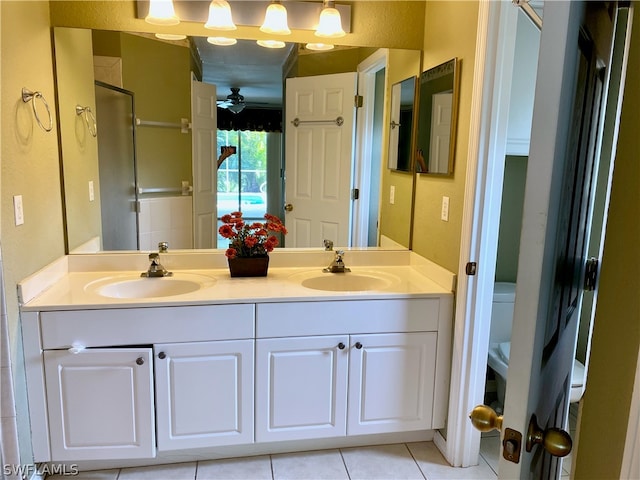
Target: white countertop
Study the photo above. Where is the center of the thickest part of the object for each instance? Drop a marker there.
(67, 283)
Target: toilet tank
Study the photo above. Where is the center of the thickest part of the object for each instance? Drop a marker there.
(504, 294)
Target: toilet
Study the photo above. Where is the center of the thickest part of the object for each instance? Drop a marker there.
(504, 295)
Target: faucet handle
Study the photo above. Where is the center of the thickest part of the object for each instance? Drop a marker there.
(163, 247)
(154, 257)
(328, 244)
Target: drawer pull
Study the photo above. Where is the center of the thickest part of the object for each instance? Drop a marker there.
(162, 355)
(358, 345)
(341, 346)
(140, 361)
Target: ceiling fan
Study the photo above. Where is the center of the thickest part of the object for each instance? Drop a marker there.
(234, 102)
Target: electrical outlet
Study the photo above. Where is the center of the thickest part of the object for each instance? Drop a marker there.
(392, 194)
(92, 196)
(444, 214)
(18, 211)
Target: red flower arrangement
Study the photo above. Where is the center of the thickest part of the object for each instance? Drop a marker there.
(250, 239)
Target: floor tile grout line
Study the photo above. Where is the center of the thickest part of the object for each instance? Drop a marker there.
(344, 462)
(424, 475)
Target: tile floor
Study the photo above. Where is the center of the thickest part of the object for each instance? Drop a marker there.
(407, 461)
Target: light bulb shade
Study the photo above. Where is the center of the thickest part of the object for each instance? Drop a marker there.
(161, 12)
(236, 108)
(275, 20)
(220, 16)
(271, 43)
(319, 46)
(330, 25)
(222, 41)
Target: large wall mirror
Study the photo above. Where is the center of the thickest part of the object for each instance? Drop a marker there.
(403, 96)
(437, 119)
(163, 153)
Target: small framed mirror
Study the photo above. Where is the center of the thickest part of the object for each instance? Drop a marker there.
(403, 96)
(437, 119)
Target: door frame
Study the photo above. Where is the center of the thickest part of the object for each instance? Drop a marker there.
(493, 68)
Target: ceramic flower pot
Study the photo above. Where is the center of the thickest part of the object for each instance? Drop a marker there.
(249, 266)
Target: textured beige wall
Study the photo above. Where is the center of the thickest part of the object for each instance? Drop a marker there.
(384, 23)
(30, 167)
(450, 31)
(616, 334)
(75, 84)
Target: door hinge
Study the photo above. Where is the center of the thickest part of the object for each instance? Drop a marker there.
(471, 268)
(591, 274)
(136, 206)
(355, 193)
(358, 101)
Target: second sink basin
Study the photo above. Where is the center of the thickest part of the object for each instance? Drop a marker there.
(131, 286)
(348, 281)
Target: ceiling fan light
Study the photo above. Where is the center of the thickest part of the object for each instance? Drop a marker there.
(220, 16)
(275, 20)
(237, 108)
(222, 41)
(161, 12)
(271, 43)
(330, 25)
(319, 46)
(170, 36)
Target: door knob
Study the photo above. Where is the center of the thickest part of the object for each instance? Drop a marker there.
(554, 440)
(485, 419)
(288, 207)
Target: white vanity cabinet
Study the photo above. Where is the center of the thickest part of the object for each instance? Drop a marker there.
(204, 394)
(100, 403)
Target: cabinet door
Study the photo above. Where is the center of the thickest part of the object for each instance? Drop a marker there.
(100, 404)
(301, 387)
(391, 382)
(204, 394)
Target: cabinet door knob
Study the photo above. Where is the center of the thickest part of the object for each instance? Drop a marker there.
(140, 361)
(162, 355)
(341, 346)
(358, 345)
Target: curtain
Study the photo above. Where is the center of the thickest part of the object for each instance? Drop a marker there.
(253, 119)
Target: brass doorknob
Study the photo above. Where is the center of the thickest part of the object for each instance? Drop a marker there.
(554, 440)
(288, 207)
(485, 419)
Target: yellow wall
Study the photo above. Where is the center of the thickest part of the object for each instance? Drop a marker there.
(450, 31)
(74, 74)
(616, 334)
(30, 167)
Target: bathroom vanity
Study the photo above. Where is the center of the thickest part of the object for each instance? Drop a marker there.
(236, 366)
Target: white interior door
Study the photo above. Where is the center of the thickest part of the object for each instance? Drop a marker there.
(319, 133)
(566, 126)
(440, 131)
(203, 138)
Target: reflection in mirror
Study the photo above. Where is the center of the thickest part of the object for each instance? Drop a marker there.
(159, 76)
(401, 126)
(437, 118)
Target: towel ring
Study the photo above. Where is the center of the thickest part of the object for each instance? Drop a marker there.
(29, 96)
(89, 119)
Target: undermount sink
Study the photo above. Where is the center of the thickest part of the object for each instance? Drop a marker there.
(131, 286)
(347, 281)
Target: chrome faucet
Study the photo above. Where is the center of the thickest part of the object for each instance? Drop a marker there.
(163, 247)
(328, 245)
(156, 269)
(337, 266)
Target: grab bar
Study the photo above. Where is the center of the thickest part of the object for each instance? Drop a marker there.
(184, 124)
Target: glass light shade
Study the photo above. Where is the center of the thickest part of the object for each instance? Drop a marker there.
(271, 43)
(319, 46)
(161, 12)
(237, 108)
(220, 16)
(330, 25)
(170, 36)
(222, 41)
(275, 20)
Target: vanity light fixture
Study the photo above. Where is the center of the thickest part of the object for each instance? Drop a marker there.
(222, 41)
(271, 43)
(319, 46)
(330, 25)
(220, 16)
(161, 12)
(275, 19)
(170, 36)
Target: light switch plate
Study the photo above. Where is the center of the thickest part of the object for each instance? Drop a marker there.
(392, 194)
(92, 196)
(18, 211)
(444, 215)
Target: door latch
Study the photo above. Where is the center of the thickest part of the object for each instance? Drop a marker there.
(591, 274)
(511, 445)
